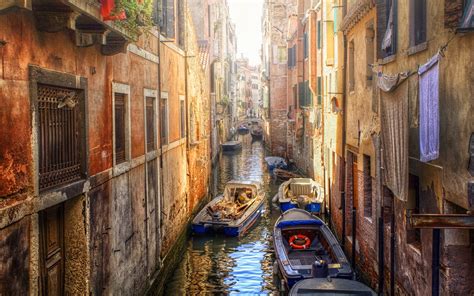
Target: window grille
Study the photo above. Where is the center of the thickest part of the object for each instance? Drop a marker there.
(60, 137)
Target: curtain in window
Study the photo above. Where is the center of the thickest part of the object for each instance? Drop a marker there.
(388, 37)
(467, 21)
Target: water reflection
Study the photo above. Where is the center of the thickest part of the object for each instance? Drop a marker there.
(220, 265)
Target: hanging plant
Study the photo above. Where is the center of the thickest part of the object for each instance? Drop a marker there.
(138, 14)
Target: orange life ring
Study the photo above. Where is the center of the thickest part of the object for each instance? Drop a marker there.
(295, 239)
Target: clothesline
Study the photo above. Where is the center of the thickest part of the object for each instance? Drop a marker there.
(408, 73)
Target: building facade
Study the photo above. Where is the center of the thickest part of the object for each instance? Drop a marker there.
(103, 148)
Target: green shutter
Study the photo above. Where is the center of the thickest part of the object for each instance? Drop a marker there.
(319, 90)
(301, 95)
(305, 44)
(319, 34)
(334, 9)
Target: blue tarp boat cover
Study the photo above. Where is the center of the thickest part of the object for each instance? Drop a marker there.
(288, 223)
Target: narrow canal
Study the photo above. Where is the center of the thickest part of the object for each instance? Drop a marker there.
(220, 265)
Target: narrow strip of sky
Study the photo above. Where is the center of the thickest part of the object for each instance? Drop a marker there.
(247, 15)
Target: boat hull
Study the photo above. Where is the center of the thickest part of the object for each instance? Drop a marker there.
(313, 207)
(203, 224)
(295, 265)
(231, 146)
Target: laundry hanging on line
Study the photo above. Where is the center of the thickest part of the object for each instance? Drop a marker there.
(429, 109)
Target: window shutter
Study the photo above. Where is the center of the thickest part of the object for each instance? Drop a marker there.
(381, 25)
(335, 19)
(319, 34)
(305, 44)
(319, 90)
(452, 13)
(301, 94)
(170, 19)
(289, 58)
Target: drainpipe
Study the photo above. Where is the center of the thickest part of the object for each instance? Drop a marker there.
(435, 263)
(392, 250)
(344, 115)
(380, 216)
(160, 182)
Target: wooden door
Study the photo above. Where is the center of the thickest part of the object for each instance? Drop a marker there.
(355, 182)
(52, 250)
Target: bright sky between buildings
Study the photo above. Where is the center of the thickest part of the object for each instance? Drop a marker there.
(247, 15)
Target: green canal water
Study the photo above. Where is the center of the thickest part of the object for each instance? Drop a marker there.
(220, 265)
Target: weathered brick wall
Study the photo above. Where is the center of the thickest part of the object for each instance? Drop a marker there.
(278, 130)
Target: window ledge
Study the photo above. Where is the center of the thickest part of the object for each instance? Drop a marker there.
(121, 168)
(388, 60)
(417, 48)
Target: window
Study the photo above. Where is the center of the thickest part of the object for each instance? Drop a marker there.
(119, 120)
(320, 90)
(182, 116)
(386, 28)
(319, 34)
(367, 187)
(282, 57)
(164, 118)
(417, 22)
(413, 204)
(291, 57)
(305, 45)
(150, 120)
(305, 95)
(351, 66)
(369, 51)
(458, 15)
(209, 20)
(181, 23)
(60, 136)
(168, 18)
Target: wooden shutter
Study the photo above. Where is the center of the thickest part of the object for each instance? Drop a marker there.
(381, 25)
(452, 13)
(150, 124)
(169, 19)
(119, 128)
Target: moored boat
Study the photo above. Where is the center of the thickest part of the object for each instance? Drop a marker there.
(243, 129)
(303, 193)
(274, 162)
(231, 146)
(232, 212)
(257, 133)
(330, 286)
(284, 175)
(306, 248)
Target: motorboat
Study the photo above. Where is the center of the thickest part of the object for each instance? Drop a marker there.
(303, 193)
(274, 162)
(257, 134)
(231, 146)
(243, 129)
(330, 286)
(232, 212)
(306, 248)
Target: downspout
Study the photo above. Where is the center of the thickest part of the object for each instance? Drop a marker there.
(344, 122)
(160, 183)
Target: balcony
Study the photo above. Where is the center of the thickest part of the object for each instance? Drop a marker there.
(81, 16)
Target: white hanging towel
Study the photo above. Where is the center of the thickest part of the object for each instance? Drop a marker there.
(429, 109)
